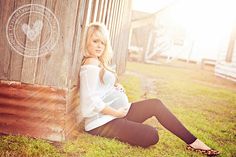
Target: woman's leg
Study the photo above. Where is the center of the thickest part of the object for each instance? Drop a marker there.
(142, 110)
(134, 133)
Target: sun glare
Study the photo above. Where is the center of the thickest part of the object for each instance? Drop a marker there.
(207, 24)
(205, 17)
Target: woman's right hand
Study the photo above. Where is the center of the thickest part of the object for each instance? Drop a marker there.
(116, 113)
(121, 113)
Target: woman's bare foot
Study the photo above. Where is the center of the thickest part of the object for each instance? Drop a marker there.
(198, 144)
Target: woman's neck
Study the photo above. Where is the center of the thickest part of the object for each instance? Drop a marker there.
(94, 57)
(92, 60)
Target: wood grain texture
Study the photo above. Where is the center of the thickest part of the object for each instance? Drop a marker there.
(6, 7)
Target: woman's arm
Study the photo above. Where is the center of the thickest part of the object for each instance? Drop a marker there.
(119, 86)
(116, 113)
(90, 102)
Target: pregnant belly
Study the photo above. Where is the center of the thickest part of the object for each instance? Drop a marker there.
(117, 99)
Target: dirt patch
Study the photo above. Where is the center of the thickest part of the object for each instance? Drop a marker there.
(148, 84)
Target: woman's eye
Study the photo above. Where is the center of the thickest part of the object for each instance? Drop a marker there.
(99, 41)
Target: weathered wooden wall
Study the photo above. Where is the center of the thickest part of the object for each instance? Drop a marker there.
(58, 66)
(44, 90)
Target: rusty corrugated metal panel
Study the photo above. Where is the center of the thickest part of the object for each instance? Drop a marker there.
(32, 110)
(71, 112)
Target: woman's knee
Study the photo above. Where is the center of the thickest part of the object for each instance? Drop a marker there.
(156, 103)
(151, 138)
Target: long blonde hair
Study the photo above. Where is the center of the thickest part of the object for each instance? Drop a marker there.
(105, 58)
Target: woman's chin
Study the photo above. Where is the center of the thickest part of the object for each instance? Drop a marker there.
(98, 54)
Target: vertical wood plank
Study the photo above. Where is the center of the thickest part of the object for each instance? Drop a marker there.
(110, 25)
(104, 11)
(30, 64)
(57, 61)
(77, 57)
(100, 9)
(120, 36)
(16, 62)
(230, 50)
(84, 21)
(94, 10)
(6, 9)
(112, 22)
(107, 15)
(126, 25)
(116, 30)
(88, 14)
(42, 62)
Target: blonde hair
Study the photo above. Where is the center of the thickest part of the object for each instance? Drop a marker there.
(105, 58)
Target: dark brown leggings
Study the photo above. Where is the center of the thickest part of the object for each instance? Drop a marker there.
(131, 130)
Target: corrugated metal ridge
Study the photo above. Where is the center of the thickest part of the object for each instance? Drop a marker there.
(32, 103)
(8, 119)
(16, 92)
(26, 86)
(30, 113)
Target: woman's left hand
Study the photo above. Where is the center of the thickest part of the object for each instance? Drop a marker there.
(120, 87)
(122, 112)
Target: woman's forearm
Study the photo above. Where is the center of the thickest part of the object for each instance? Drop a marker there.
(110, 111)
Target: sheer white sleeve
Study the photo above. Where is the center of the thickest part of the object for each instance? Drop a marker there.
(90, 102)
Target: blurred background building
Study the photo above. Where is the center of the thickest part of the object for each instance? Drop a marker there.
(201, 32)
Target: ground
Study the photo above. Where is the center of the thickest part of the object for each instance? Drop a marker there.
(204, 103)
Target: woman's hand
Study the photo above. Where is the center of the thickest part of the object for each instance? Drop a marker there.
(120, 87)
(116, 113)
(121, 113)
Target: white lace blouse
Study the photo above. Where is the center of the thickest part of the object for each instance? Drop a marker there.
(95, 96)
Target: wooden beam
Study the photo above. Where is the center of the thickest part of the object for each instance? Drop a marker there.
(142, 22)
(231, 45)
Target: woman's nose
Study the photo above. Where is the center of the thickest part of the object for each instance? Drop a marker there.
(99, 44)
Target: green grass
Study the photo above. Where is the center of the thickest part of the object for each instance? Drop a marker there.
(20, 146)
(205, 104)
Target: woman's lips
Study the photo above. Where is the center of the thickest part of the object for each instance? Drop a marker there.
(98, 51)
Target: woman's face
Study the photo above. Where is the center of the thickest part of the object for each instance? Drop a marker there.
(96, 45)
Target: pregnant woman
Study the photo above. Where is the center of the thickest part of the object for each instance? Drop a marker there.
(106, 108)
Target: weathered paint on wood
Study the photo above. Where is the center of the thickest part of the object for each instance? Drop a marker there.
(54, 69)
